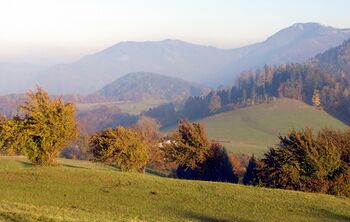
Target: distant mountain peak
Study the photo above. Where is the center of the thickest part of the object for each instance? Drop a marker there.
(300, 32)
(304, 25)
(173, 41)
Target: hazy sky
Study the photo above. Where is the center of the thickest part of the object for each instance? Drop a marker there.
(50, 31)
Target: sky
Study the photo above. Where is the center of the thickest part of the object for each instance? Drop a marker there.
(55, 31)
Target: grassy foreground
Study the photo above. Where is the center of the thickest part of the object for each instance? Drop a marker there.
(83, 191)
(254, 129)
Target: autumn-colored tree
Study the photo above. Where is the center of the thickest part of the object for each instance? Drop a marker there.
(236, 163)
(188, 146)
(214, 103)
(148, 129)
(45, 128)
(216, 167)
(196, 157)
(316, 98)
(4, 134)
(120, 147)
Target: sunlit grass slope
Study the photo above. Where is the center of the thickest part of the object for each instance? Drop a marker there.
(83, 191)
(255, 128)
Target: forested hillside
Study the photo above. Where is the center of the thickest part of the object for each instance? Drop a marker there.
(141, 86)
(319, 83)
(335, 60)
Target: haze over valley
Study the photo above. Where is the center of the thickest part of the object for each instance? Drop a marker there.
(192, 62)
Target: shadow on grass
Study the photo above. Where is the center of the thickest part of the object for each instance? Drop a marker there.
(195, 216)
(206, 218)
(157, 173)
(73, 166)
(329, 215)
(25, 164)
(19, 217)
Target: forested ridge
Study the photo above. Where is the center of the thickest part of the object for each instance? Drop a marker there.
(318, 82)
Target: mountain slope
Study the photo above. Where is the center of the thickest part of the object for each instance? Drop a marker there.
(175, 58)
(151, 86)
(255, 128)
(84, 191)
(192, 62)
(297, 43)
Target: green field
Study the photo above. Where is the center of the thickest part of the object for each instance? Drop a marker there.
(131, 107)
(83, 191)
(253, 129)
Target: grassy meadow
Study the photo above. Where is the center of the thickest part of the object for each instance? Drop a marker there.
(131, 107)
(85, 191)
(255, 128)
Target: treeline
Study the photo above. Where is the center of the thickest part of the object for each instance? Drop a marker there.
(104, 117)
(302, 160)
(305, 82)
(335, 60)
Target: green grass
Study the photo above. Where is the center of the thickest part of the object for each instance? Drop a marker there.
(131, 107)
(255, 128)
(83, 191)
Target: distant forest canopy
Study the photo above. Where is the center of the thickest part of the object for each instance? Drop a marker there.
(324, 81)
(142, 86)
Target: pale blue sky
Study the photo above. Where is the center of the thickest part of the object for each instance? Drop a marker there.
(63, 30)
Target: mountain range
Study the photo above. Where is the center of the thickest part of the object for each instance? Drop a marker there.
(192, 62)
(297, 43)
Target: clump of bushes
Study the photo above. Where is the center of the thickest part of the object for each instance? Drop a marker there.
(306, 161)
(120, 147)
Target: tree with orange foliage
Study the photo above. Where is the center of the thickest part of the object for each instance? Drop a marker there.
(45, 128)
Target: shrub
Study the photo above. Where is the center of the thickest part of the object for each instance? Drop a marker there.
(44, 129)
(120, 147)
(188, 146)
(196, 157)
(47, 127)
(307, 162)
(216, 167)
(5, 134)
